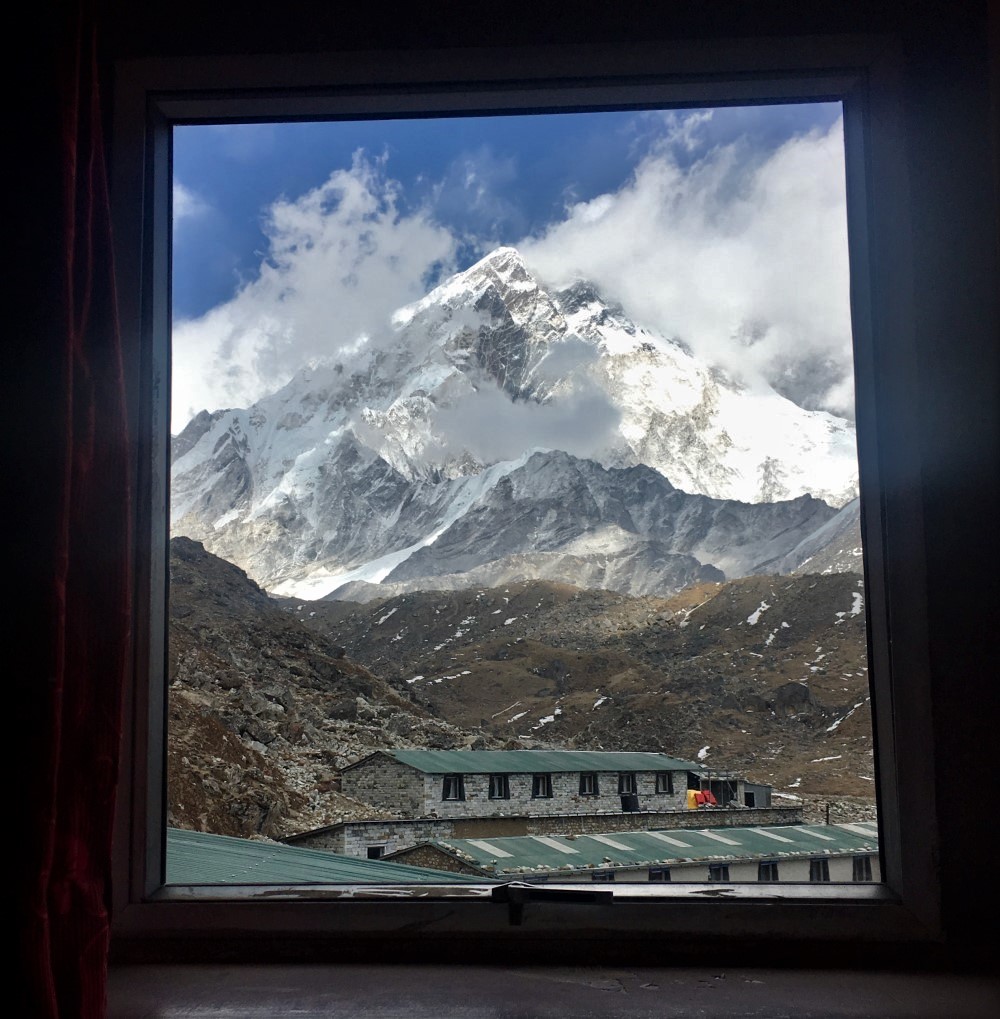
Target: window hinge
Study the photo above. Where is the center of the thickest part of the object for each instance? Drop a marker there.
(517, 893)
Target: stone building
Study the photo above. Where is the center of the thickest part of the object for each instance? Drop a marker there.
(490, 783)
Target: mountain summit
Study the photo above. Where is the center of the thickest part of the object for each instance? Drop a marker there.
(501, 429)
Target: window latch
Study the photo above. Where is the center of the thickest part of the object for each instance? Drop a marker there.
(517, 893)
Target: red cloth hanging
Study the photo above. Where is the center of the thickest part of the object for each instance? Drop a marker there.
(84, 469)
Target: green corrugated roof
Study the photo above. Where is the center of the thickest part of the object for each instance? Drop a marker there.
(520, 762)
(200, 858)
(505, 856)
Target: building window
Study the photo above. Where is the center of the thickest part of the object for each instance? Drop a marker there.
(718, 872)
(453, 788)
(767, 870)
(750, 799)
(665, 782)
(499, 787)
(602, 875)
(862, 868)
(819, 870)
(588, 784)
(626, 783)
(375, 852)
(541, 787)
(659, 874)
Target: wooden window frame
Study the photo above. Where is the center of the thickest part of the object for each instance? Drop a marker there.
(541, 786)
(456, 782)
(502, 782)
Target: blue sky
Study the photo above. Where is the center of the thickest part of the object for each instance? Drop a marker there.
(674, 213)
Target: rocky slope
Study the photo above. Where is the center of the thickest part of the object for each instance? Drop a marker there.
(269, 699)
(765, 675)
(263, 712)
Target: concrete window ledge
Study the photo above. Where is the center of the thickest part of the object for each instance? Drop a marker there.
(477, 992)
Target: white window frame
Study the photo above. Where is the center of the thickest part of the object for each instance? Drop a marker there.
(860, 71)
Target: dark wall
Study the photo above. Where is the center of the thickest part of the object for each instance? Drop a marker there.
(952, 160)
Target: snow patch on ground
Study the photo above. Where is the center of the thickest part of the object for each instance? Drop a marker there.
(756, 614)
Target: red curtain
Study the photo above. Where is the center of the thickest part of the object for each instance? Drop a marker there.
(84, 508)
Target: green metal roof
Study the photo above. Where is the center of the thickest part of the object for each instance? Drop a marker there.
(200, 858)
(523, 854)
(520, 762)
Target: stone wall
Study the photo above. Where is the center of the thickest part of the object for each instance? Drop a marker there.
(565, 799)
(384, 782)
(353, 838)
(428, 856)
(709, 817)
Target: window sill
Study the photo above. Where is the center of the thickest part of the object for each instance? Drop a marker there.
(386, 990)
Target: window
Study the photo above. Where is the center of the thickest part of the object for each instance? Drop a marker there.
(718, 872)
(541, 787)
(588, 784)
(602, 875)
(767, 870)
(819, 869)
(665, 782)
(375, 852)
(453, 787)
(627, 783)
(862, 868)
(659, 874)
(180, 94)
(499, 787)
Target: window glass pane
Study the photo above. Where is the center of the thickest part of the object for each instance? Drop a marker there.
(819, 870)
(497, 438)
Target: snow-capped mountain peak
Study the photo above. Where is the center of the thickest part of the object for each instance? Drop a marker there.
(374, 462)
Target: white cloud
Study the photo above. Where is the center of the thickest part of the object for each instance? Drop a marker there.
(736, 250)
(186, 204)
(581, 420)
(742, 258)
(341, 258)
